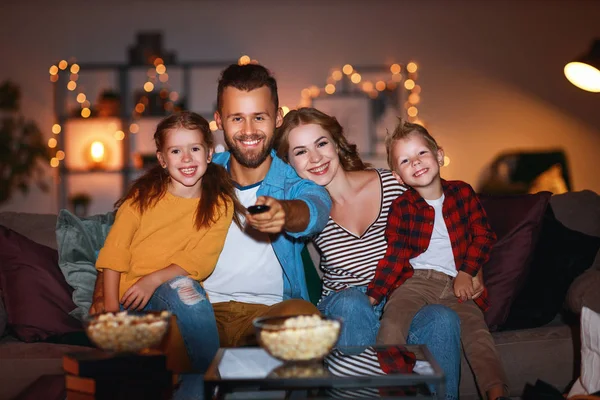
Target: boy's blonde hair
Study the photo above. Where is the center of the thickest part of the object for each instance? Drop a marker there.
(403, 130)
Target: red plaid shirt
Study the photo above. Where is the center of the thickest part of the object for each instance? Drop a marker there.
(409, 229)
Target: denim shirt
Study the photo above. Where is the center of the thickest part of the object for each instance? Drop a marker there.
(283, 183)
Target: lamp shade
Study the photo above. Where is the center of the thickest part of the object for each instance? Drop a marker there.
(584, 72)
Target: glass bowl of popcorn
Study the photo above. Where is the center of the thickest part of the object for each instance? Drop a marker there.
(127, 331)
(299, 338)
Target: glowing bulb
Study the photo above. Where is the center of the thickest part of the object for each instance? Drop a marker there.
(158, 61)
(213, 126)
(52, 143)
(53, 70)
(330, 89)
(244, 60)
(285, 110)
(412, 111)
(60, 155)
(367, 86)
(411, 67)
(161, 69)
(134, 128)
(74, 69)
(63, 64)
(71, 85)
(139, 108)
(395, 69)
(409, 84)
(336, 75)
(397, 77)
(380, 85)
(347, 69)
(414, 98)
(119, 135)
(56, 128)
(314, 91)
(54, 162)
(355, 78)
(416, 89)
(583, 75)
(81, 98)
(164, 77)
(173, 96)
(53, 78)
(97, 152)
(85, 112)
(148, 86)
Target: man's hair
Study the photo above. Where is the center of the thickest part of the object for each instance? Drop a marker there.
(246, 77)
(403, 130)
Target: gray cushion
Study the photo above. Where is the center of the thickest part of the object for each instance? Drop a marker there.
(79, 241)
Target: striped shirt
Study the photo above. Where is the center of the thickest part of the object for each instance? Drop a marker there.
(348, 260)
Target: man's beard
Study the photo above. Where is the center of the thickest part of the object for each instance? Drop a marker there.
(249, 160)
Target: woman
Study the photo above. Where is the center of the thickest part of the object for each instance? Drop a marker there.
(354, 239)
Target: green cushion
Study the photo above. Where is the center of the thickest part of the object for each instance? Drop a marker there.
(79, 240)
(313, 280)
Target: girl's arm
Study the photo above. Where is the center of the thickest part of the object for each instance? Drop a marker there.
(138, 295)
(111, 290)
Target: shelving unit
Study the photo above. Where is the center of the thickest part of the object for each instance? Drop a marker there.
(196, 87)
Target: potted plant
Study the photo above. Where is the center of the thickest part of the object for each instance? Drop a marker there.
(22, 146)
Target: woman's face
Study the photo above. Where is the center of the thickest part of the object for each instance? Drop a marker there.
(313, 154)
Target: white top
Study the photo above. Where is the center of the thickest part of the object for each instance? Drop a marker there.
(348, 260)
(248, 270)
(438, 255)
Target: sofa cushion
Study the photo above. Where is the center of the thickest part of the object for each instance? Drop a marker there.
(37, 227)
(79, 241)
(36, 296)
(561, 255)
(516, 221)
(3, 316)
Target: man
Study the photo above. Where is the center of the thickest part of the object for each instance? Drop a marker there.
(260, 270)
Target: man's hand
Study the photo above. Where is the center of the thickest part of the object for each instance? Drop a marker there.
(97, 306)
(138, 295)
(463, 286)
(289, 215)
(478, 285)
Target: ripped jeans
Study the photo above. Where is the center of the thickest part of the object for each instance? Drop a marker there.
(186, 298)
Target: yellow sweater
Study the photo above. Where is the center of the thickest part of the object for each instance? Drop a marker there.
(165, 234)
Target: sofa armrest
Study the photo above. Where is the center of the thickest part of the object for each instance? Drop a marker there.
(584, 292)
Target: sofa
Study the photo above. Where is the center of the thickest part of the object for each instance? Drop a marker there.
(532, 344)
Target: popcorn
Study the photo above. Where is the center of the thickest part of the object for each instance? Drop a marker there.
(300, 338)
(124, 332)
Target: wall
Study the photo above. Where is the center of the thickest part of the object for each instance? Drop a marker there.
(491, 72)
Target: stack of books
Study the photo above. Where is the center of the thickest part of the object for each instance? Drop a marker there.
(104, 375)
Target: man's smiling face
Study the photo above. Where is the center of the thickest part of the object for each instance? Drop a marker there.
(248, 120)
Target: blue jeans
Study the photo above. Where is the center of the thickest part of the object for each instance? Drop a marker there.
(436, 326)
(186, 299)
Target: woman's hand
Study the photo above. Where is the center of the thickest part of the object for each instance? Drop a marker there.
(138, 295)
(463, 286)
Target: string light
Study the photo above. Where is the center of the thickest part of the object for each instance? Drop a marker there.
(371, 88)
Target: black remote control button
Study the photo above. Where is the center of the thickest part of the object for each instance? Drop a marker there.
(258, 209)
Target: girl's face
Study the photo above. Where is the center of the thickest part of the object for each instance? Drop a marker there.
(186, 157)
(313, 154)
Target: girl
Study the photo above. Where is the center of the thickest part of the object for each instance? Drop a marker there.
(169, 231)
(353, 241)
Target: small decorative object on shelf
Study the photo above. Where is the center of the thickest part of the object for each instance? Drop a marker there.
(80, 203)
(109, 104)
(148, 48)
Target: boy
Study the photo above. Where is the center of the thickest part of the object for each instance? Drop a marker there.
(438, 239)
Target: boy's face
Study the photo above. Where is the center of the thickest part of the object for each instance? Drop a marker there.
(248, 120)
(415, 164)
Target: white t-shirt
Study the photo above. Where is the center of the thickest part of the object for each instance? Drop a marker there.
(438, 255)
(248, 270)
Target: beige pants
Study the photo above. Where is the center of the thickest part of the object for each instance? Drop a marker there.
(432, 287)
(234, 319)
